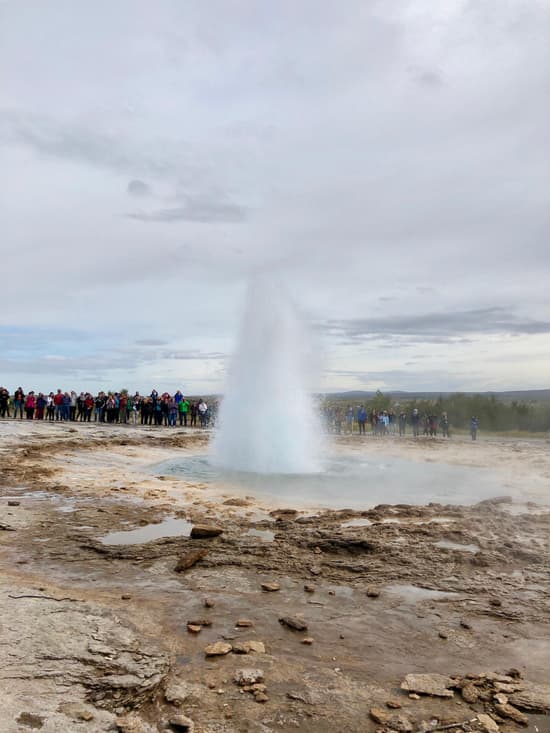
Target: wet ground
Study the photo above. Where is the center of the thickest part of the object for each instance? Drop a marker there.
(94, 613)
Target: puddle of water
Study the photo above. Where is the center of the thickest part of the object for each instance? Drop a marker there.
(415, 594)
(170, 527)
(357, 523)
(448, 545)
(263, 534)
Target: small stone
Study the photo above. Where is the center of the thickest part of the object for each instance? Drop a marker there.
(208, 603)
(258, 647)
(182, 722)
(398, 723)
(248, 676)
(443, 634)
(393, 704)
(469, 693)
(189, 559)
(309, 588)
(13, 503)
(428, 684)
(244, 623)
(372, 592)
(332, 593)
(270, 587)
(260, 697)
(126, 597)
(132, 724)
(465, 624)
(241, 647)
(317, 550)
(293, 622)
(414, 696)
(509, 711)
(205, 531)
(315, 570)
(307, 640)
(495, 602)
(200, 622)
(218, 649)
(487, 723)
(194, 629)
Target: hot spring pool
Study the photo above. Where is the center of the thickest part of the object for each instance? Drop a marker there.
(348, 482)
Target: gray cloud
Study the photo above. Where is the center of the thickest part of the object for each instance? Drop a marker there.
(150, 342)
(435, 327)
(195, 210)
(138, 188)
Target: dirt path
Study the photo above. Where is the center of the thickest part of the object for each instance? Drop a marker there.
(94, 636)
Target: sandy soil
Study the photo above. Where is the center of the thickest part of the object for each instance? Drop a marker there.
(94, 637)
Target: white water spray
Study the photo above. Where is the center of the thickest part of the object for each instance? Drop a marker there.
(268, 423)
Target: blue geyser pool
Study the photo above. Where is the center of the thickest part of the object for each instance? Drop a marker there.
(348, 482)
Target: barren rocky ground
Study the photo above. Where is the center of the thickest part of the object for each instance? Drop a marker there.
(396, 618)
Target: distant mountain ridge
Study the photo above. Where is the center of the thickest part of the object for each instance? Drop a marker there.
(522, 395)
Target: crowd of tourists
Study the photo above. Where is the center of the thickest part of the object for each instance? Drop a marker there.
(388, 422)
(108, 407)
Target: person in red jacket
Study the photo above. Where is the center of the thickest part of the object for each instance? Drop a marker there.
(30, 404)
(58, 403)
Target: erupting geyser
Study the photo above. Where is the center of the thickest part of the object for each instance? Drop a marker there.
(268, 422)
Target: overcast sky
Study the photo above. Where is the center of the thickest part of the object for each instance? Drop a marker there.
(390, 161)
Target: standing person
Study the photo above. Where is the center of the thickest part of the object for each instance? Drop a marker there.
(122, 407)
(18, 403)
(193, 413)
(444, 425)
(58, 402)
(40, 407)
(72, 412)
(50, 406)
(362, 419)
(202, 408)
(402, 423)
(415, 422)
(474, 426)
(4, 402)
(30, 405)
(183, 409)
(349, 419)
(66, 406)
(391, 422)
(88, 407)
(172, 412)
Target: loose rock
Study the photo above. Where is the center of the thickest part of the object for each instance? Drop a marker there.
(182, 722)
(271, 587)
(487, 723)
(509, 711)
(205, 531)
(244, 623)
(293, 622)
(372, 592)
(533, 698)
(189, 559)
(249, 676)
(428, 684)
(218, 649)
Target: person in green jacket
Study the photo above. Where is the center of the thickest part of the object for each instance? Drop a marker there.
(183, 409)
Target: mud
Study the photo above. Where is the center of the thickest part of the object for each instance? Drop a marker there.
(92, 632)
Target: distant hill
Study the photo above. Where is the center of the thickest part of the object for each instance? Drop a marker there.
(541, 396)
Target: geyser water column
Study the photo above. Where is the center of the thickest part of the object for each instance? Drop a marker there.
(268, 422)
